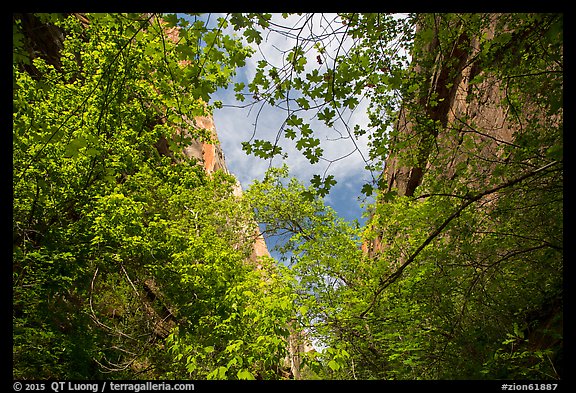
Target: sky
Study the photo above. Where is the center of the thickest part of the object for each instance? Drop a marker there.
(235, 125)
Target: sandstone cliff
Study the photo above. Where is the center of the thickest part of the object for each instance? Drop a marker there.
(485, 117)
(461, 119)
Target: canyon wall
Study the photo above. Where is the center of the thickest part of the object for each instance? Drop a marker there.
(486, 115)
(461, 119)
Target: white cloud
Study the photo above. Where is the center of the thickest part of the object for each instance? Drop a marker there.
(236, 125)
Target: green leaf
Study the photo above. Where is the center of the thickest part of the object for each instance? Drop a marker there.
(247, 147)
(252, 35)
(327, 115)
(170, 19)
(389, 196)
(308, 196)
(71, 150)
(303, 102)
(218, 373)
(191, 367)
(335, 366)
(245, 375)
(265, 149)
(238, 87)
(367, 189)
(290, 133)
(294, 120)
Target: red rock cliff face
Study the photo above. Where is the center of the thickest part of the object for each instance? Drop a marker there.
(463, 111)
(211, 157)
(459, 107)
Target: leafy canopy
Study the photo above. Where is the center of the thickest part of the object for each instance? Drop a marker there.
(133, 263)
(126, 259)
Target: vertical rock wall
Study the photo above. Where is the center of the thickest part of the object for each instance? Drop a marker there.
(476, 110)
(211, 156)
(454, 104)
(460, 104)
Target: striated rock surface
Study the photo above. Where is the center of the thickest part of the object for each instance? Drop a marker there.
(475, 111)
(460, 105)
(462, 110)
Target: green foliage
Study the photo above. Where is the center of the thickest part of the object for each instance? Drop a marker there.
(445, 313)
(116, 245)
(469, 254)
(324, 256)
(244, 337)
(131, 262)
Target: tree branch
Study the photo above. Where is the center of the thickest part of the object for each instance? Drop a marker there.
(386, 282)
